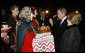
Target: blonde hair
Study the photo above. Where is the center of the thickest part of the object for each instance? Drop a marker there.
(23, 12)
(75, 18)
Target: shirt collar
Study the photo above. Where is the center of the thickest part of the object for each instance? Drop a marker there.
(64, 18)
(42, 18)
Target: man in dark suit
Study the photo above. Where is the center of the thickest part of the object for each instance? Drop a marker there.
(61, 27)
(43, 19)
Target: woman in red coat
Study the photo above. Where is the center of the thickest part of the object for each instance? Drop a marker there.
(25, 32)
(27, 45)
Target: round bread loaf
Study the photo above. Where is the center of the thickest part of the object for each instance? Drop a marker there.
(43, 29)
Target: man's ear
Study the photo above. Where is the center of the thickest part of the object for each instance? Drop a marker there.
(63, 13)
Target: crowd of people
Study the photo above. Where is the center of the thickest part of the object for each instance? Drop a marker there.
(21, 37)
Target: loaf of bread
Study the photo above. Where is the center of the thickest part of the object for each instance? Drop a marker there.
(43, 29)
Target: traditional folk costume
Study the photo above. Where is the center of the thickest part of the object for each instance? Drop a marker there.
(25, 32)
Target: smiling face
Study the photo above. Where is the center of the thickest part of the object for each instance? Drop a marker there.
(15, 11)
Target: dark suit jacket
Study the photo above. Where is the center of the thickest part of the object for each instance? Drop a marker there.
(12, 22)
(59, 31)
(70, 40)
(40, 21)
(55, 27)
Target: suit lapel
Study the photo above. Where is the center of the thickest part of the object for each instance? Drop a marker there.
(64, 22)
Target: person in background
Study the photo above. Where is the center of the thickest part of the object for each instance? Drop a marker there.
(12, 20)
(34, 21)
(5, 47)
(3, 16)
(42, 19)
(70, 41)
(51, 22)
(54, 21)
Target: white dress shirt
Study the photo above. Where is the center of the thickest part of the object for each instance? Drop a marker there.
(63, 19)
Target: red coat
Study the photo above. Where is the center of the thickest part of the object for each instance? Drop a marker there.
(27, 44)
(34, 23)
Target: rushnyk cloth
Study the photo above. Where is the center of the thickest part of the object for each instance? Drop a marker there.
(43, 42)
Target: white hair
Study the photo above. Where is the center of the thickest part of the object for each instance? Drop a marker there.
(25, 12)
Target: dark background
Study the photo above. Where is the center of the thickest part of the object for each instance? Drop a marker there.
(52, 6)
